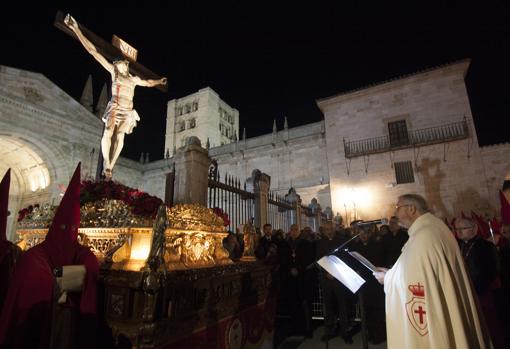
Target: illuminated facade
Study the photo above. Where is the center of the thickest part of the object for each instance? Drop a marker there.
(203, 115)
(412, 134)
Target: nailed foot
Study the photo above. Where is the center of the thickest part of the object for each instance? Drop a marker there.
(107, 174)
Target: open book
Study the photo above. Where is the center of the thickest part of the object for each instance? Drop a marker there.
(363, 261)
(342, 272)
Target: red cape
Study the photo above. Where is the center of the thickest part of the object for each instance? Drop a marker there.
(25, 321)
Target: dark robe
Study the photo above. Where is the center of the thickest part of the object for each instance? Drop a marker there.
(9, 255)
(392, 246)
(297, 289)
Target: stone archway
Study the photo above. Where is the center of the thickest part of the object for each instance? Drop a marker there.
(36, 166)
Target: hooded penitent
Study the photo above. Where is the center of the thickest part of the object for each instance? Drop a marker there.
(5, 245)
(9, 253)
(29, 299)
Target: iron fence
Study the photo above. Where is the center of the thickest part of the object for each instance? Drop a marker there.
(280, 212)
(230, 197)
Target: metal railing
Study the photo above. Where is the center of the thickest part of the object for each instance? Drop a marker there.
(280, 212)
(308, 218)
(427, 136)
(230, 197)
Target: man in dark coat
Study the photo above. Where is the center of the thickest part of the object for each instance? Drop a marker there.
(264, 242)
(373, 293)
(295, 254)
(482, 264)
(336, 297)
(393, 242)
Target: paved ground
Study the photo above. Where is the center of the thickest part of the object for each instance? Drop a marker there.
(335, 343)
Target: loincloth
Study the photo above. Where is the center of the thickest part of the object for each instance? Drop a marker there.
(125, 119)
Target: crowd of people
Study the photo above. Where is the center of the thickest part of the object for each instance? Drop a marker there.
(477, 261)
(295, 253)
(442, 286)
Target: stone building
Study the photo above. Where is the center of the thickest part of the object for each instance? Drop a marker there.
(411, 134)
(202, 114)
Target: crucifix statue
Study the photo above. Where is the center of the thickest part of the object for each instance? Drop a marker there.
(119, 117)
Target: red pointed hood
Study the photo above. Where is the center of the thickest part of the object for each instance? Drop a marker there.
(505, 208)
(4, 203)
(61, 240)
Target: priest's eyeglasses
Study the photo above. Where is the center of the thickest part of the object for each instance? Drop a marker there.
(399, 206)
(463, 228)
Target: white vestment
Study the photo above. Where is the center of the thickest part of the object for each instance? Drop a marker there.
(429, 297)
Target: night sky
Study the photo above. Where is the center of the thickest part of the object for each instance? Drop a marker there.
(269, 60)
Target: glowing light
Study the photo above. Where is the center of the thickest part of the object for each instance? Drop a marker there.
(351, 201)
(350, 197)
(38, 178)
(140, 251)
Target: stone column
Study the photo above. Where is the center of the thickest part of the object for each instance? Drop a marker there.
(191, 170)
(259, 183)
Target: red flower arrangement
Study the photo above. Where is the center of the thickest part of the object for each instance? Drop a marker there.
(223, 215)
(26, 211)
(140, 203)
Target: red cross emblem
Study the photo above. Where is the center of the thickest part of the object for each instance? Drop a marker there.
(416, 309)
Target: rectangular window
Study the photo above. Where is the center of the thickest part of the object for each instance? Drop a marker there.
(404, 172)
(397, 131)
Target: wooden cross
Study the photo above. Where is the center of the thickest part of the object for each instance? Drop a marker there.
(111, 52)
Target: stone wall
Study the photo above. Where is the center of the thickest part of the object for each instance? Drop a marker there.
(496, 167)
(293, 157)
(45, 133)
(452, 176)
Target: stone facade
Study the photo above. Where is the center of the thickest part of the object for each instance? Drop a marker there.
(452, 175)
(44, 133)
(293, 157)
(203, 115)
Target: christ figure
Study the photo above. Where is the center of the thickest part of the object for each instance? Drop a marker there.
(119, 117)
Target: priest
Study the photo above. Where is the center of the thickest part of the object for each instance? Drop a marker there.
(29, 318)
(430, 302)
